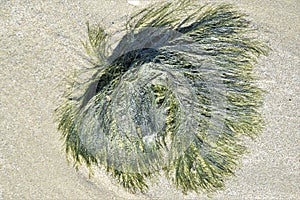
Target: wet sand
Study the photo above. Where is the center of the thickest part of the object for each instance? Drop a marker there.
(40, 46)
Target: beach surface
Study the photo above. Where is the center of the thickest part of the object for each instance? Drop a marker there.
(40, 46)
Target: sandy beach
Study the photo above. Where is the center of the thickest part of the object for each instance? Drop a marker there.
(40, 46)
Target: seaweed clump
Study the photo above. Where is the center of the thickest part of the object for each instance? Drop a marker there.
(174, 95)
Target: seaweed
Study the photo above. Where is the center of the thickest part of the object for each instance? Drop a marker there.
(174, 95)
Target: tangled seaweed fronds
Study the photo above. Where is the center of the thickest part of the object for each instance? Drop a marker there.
(174, 95)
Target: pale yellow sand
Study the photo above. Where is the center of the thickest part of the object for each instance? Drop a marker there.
(40, 46)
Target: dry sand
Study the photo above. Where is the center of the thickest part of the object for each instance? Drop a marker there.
(40, 47)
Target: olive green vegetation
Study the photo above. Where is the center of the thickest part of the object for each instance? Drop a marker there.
(174, 96)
